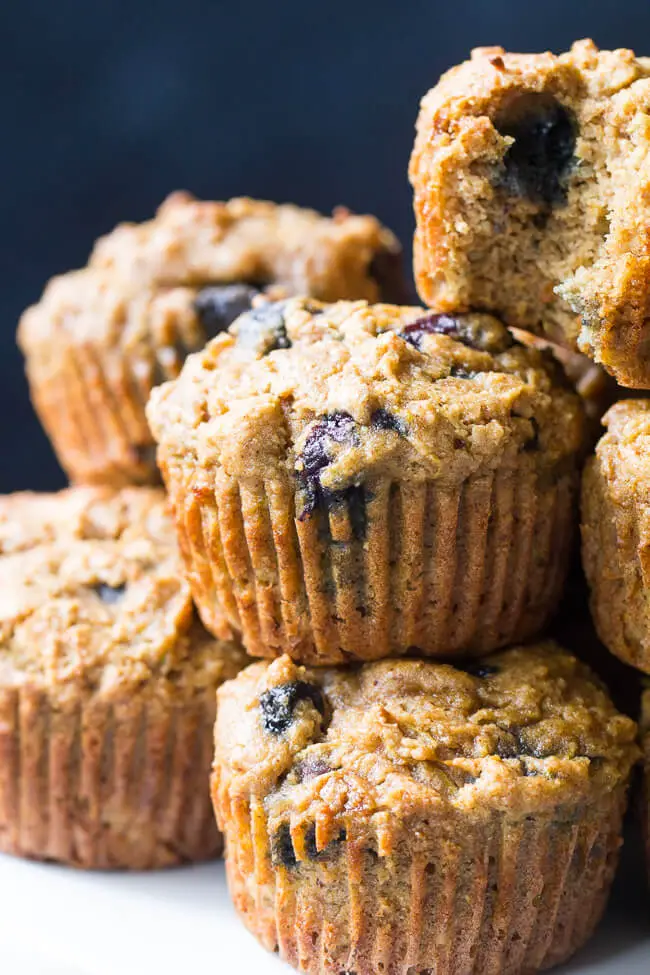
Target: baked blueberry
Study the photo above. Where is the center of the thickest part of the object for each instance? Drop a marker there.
(110, 594)
(479, 669)
(540, 159)
(218, 305)
(262, 330)
(282, 851)
(383, 419)
(279, 703)
(335, 428)
(476, 331)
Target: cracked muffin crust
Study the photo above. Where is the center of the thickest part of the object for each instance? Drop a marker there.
(107, 685)
(616, 532)
(102, 337)
(531, 176)
(350, 481)
(410, 814)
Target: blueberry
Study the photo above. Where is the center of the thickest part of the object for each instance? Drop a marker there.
(538, 163)
(415, 331)
(282, 851)
(385, 269)
(477, 331)
(383, 419)
(262, 330)
(220, 304)
(334, 428)
(480, 669)
(278, 704)
(109, 594)
(458, 372)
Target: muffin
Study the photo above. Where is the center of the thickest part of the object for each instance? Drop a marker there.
(616, 532)
(107, 685)
(350, 481)
(531, 176)
(411, 815)
(102, 337)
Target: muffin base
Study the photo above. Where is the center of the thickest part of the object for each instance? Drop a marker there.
(438, 894)
(443, 570)
(104, 784)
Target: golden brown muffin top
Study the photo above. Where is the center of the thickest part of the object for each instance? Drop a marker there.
(334, 393)
(524, 731)
(92, 595)
(624, 452)
(194, 242)
(170, 279)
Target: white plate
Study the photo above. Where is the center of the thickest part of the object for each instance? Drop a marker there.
(55, 921)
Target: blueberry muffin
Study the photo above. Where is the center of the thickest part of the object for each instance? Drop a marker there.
(353, 480)
(531, 175)
(616, 532)
(408, 815)
(102, 337)
(107, 685)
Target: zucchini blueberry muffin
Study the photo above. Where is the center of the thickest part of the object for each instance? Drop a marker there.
(407, 815)
(350, 481)
(531, 176)
(107, 685)
(102, 337)
(616, 532)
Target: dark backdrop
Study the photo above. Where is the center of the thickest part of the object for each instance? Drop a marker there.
(108, 105)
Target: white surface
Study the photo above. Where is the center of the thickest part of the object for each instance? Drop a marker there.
(55, 921)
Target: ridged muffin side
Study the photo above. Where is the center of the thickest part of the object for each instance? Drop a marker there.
(409, 815)
(616, 532)
(107, 685)
(350, 481)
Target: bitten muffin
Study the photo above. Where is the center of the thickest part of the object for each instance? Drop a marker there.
(407, 815)
(531, 176)
(107, 685)
(102, 337)
(350, 481)
(616, 532)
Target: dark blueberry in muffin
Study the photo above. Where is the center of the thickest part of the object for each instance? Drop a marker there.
(458, 372)
(218, 305)
(109, 594)
(477, 331)
(317, 452)
(533, 442)
(537, 164)
(432, 324)
(282, 851)
(383, 419)
(262, 330)
(279, 703)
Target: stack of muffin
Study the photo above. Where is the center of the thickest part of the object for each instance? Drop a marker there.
(378, 498)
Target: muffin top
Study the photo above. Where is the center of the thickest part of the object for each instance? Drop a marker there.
(185, 275)
(525, 731)
(92, 595)
(335, 393)
(623, 453)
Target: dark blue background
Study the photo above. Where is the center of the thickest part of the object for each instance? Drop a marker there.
(108, 105)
